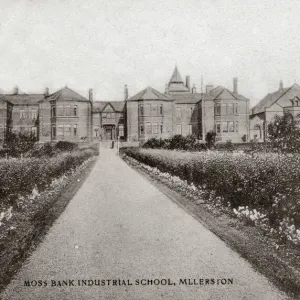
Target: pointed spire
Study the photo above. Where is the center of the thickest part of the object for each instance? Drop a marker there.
(176, 77)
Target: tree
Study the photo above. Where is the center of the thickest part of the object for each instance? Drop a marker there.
(210, 139)
(284, 134)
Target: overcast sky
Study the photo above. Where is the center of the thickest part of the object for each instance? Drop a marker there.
(106, 44)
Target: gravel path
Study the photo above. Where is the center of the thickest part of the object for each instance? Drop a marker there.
(120, 227)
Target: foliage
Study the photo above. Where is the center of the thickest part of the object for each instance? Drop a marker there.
(284, 134)
(244, 138)
(210, 139)
(155, 143)
(19, 177)
(267, 182)
(66, 146)
(17, 144)
(176, 142)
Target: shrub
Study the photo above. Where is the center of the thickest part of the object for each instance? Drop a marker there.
(19, 177)
(268, 182)
(155, 143)
(66, 146)
(210, 139)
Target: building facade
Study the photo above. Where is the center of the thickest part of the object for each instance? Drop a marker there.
(273, 105)
(180, 109)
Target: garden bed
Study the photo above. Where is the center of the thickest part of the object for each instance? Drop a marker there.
(28, 211)
(246, 230)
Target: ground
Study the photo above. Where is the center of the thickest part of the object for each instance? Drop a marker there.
(120, 226)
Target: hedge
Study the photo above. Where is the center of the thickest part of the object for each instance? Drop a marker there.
(19, 177)
(269, 182)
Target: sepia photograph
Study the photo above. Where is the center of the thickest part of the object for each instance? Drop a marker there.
(150, 150)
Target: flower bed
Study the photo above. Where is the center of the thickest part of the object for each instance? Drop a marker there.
(22, 180)
(262, 190)
(28, 211)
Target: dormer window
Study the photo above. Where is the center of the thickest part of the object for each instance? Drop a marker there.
(292, 102)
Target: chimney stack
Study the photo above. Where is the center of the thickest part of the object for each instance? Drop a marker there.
(46, 92)
(125, 92)
(16, 90)
(194, 89)
(235, 85)
(91, 96)
(188, 82)
(281, 85)
(167, 90)
(209, 87)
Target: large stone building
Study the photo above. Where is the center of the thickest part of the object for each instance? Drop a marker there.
(284, 100)
(66, 115)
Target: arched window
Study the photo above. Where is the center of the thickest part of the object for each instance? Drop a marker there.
(257, 131)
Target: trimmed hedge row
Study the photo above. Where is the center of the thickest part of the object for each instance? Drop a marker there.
(268, 181)
(19, 177)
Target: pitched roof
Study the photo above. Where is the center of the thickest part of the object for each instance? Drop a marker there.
(176, 76)
(118, 106)
(187, 98)
(66, 94)
(24, 99)
(149, 94)
(270, 99)
(221, 93)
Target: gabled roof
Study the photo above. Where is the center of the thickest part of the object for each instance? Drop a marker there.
(99, 106)
(66, 94)
(149, 94)
(187, 98)
(24, 99)
(176, 78)
(222, 93)
(270, 99)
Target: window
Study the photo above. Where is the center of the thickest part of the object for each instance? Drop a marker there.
(154, 110)
(60, 130)
(75, 129)
(178, 112)
(147, 109)
(53, 111)
(237, 126)
(179, 129)
(189, 129)
(142, 131)
(22, 114)
(225, 126)
(218, 128)
(231, 126)
(161, 127)
(108, 115)
(230, 109)
(53, 132)
(67, 110)
(148, 128)
(155, 128)
(60, 110)
(121, 130)
(236, 108)
(104, 115)
(33, 114)
(217, 109)
(75, 111)
(68, 130)
(34, 131)
(292, 102)
(189, 112)
(161, 110)
(141, 110)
